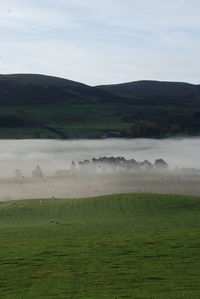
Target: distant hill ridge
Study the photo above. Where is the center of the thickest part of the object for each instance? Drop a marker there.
(16, 86)
(153, 88)
(40, 103)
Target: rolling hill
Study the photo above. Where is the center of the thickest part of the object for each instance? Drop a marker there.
(118, 246)
(156, 89)
(32, 89)
(39, 106)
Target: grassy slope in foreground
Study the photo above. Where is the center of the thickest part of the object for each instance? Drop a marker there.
(120, 246)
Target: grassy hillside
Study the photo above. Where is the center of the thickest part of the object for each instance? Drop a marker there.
(150, 89)
(38, 106)
(120, 246)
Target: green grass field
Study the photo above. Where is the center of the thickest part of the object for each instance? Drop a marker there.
(74, 120)
(85, 120)
(120, 246)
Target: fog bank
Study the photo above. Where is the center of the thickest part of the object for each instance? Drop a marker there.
(52, 155)
(91, 174)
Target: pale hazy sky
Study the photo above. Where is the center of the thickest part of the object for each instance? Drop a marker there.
(102, 41)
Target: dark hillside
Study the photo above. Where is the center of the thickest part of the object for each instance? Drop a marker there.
(156, 90)
(39, 106)
(32, 89)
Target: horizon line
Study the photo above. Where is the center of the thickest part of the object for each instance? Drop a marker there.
(124, 82)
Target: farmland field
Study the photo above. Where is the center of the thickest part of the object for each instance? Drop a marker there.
(119, 246)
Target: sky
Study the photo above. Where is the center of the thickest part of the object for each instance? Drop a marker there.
(102, 42)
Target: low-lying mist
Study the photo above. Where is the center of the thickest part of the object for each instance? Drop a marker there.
(44, 168)
(52, 155)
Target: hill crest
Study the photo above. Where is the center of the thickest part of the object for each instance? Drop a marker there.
(40, 106)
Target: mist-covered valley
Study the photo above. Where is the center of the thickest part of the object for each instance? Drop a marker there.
(52, 155)
(79, 168)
